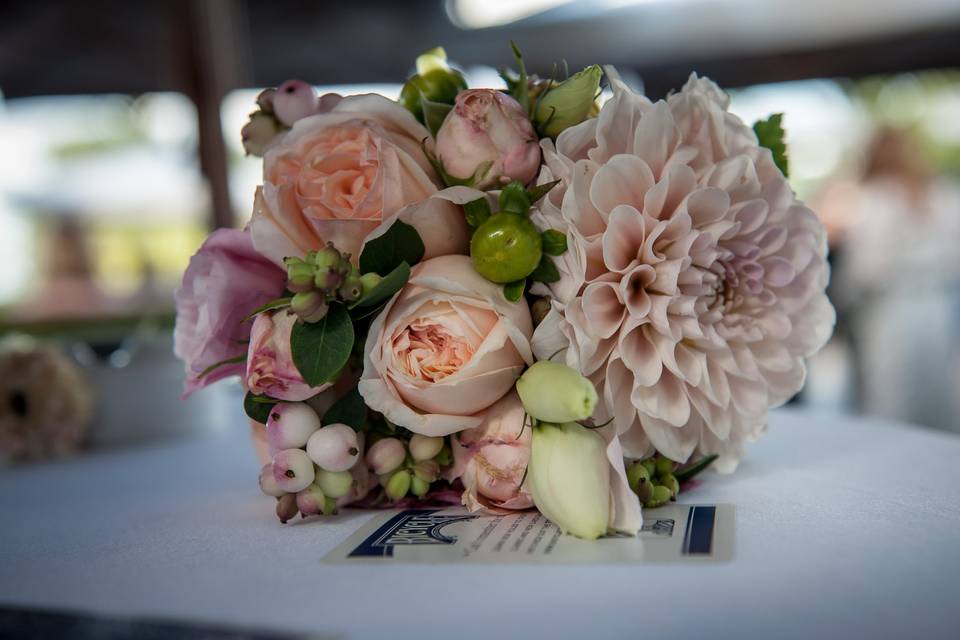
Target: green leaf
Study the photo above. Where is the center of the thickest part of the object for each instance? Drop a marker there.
(477, 212)
(541, 190)
(513, 291)
(770, 134)
(688, 472)
(434, 113)
(514, 199)
(278, 303)
(321, 349)
(554, 242)
(520, 91)
(546, 271)
(390, 284)
(350, 410)
(258, 407)
(401, 243)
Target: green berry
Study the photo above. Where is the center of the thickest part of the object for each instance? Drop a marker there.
(637, 473)
(327, 257)
(664, 466)
(505, 248)
(661, 496)
(398, 485)
(419, 487)
(670, 482)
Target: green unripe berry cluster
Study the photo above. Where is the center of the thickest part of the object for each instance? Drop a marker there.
(653, 481)
(323, 277)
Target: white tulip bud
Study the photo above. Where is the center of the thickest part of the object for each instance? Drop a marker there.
(553, 392)
(569, 478)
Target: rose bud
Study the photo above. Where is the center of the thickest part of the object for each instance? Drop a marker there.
(270, 367)
(334, 484)
(294, 100)
(292, 470)
(310, 501)
(286, 507)
(569, 477)
(434, 81)
(258, 133)
(334, 447)
(398, 485)
(268, 483)
(568, 103)
(553, 392)
(386, 455)
(488, 138)
(290, 425)
(424, 447)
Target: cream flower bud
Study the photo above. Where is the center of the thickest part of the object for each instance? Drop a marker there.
(292, 470)
(385, 455)
(334, 447)
(334, 484)
(553, 392)
(569, 477)
(293, 100)
(424, 447)
(569, 103)
(290, 425)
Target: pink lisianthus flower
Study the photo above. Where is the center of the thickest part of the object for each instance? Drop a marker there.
(270, 367)
(225, 281)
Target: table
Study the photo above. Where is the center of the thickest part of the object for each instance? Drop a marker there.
(845, 528)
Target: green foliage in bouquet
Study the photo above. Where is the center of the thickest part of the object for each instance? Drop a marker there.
(770, 134)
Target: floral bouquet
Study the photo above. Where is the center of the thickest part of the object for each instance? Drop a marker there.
(508, 298)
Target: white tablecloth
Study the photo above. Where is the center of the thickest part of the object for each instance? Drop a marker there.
(844, 528)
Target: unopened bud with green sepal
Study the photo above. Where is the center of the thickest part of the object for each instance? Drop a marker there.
(569, 103)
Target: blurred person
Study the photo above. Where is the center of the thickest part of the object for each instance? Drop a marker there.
(897, 282)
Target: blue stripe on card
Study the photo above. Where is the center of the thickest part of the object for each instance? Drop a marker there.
(698, 538)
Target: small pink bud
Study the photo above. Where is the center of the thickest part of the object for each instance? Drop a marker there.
(290, 425)
(293, 100)
(386, 455)
(292, 470)
(267, 482)
(334, 447)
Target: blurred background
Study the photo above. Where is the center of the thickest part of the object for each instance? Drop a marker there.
(120, 150)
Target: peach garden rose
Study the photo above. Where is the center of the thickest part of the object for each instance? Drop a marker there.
(444, 349)
(338, 176)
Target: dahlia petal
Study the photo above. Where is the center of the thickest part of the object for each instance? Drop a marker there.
(677, 443)
(622, 180)
(623, 238)
(603, 308)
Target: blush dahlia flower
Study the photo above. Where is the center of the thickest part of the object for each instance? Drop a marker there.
(693, 289)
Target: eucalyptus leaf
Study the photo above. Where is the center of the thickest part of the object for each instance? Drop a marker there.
(401, 243)
(350, 410)
(390, 284)
(321, 349)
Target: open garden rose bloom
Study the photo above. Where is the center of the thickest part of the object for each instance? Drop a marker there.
(337, 176)
(444, 349)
